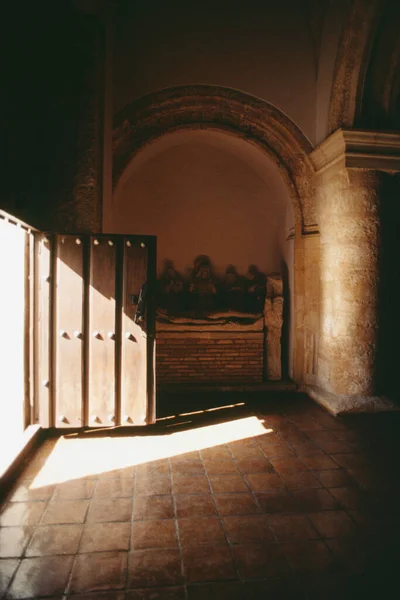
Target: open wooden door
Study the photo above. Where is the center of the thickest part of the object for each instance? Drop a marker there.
(95, 330)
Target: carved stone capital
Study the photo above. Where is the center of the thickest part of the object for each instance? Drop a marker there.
(356, 149)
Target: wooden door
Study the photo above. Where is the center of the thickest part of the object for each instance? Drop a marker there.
(95, 338)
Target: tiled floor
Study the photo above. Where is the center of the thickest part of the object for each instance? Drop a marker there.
(262, 499)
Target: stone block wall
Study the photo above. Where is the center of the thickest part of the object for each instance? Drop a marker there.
(349, 282)
(214, 357)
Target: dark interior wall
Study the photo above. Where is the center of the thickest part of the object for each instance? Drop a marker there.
(380, 103)
(51, 115)
(389, 288)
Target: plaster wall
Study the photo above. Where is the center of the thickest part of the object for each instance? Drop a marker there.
(264, 49)
(207, 192)
(333, 23)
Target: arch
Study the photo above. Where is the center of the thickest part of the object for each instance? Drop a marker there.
(365, 83)
(380, 101)
(231, 111)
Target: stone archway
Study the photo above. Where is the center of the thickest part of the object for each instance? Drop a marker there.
(366, 82)
(256, 121)
(203, 106)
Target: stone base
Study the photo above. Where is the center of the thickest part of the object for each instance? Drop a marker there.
(340, 404)
(284, 385)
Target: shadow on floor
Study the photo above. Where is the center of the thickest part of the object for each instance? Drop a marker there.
(226, 496)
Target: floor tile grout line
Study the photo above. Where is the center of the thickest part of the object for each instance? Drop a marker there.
(267, 515)
(131, 540)
(69, 579)
(178, 537)
(253, 493)
(284, 486)
(288, 443)
(12, 578)
(85, 521)
(223, 525)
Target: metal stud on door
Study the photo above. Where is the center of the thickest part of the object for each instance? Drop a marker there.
(95, 337)
(134, 334)
(102, 327)
(69, 318)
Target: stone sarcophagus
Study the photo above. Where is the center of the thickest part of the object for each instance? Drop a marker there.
(218, 329)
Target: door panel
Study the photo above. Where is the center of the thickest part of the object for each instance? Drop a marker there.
(95, 357)
(69, 332)
(102, 331)
(43, 267)
(134, 335)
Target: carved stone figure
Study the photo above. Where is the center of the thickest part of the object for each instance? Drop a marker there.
(202, 287)
(202, 303)
(273, 316)
(171, 289)
(234, 290)
(255, 296)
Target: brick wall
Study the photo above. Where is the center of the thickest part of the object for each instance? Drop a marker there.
(210, 357)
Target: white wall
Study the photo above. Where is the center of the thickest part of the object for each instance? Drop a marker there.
(12, 311)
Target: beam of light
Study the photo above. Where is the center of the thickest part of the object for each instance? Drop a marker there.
(205, 410)
(222, 407)
(12, 305)
(78, 458)
(166, 418)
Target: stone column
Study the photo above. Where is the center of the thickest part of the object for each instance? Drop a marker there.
(273, 316)
(352, 169)
(349, 220)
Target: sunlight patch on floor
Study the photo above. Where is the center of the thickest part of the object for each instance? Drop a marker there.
(76, 458)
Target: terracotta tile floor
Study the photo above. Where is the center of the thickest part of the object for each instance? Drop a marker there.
(259, 499)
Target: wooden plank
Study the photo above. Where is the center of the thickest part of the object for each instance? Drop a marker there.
(151, 328)
(134, 337)
(27, 332)
(32, 326)
(69, 332)
(29, 329)
(119, 294)
(86, 330)
(102, 331)
(42, 338)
